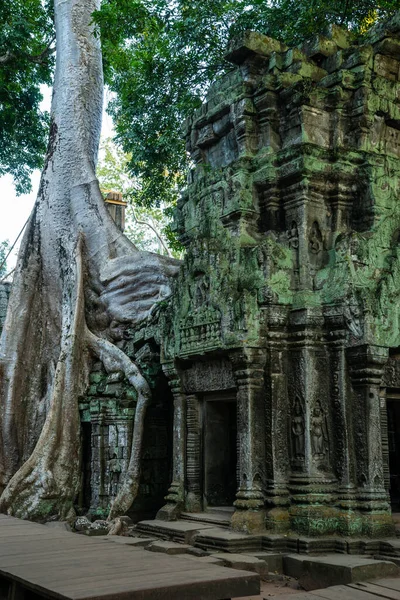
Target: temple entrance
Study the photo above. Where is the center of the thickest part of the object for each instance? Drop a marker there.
(220, 451)
(393, 428)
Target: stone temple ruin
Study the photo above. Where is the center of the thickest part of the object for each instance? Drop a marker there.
(275, 365)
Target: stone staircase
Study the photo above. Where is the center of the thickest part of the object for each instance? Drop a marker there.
(220, 516)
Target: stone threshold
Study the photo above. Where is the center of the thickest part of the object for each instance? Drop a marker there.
(209, 537)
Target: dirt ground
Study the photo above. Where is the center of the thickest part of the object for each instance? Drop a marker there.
(274, 589)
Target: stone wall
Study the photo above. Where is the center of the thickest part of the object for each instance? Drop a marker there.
(107, 416)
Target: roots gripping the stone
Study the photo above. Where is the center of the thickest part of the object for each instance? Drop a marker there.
(76, 275)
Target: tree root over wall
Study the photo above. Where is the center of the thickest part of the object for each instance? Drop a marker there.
(77, 279)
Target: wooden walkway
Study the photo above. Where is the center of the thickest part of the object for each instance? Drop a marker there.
(378, 589)
(42, 562)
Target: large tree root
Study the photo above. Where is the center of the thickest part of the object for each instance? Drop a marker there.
(47, 483)
(77, 280)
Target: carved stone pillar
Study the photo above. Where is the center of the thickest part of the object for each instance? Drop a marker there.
(248, 366)
(175, 496)
(277, 450)
(366, 368)
(349, 522)
(312, 482)
(194, 499)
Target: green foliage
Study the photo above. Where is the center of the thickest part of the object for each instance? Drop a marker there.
(160, 58)
(3, 253)
(148, 227)
(26, 61)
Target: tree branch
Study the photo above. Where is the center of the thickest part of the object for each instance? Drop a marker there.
(9, 57)
(154, 230)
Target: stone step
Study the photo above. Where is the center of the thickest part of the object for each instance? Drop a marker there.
(221, 519)
(176, 531)
(218, 539)
(335, 569)
(243, 562)
(227, 510)
(393, 559)
(167, 547)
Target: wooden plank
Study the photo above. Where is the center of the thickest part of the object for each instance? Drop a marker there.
(63, 565)
(376, 589)
(392, 584)
(345, 592)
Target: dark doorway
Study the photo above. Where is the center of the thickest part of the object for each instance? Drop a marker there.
(393, 416)
(220, 452)
(86, 491)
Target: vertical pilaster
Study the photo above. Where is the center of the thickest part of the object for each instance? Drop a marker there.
(312, 482)
(277, 435)
(367, 363)
(349, 522)
(194, 499)
(175, 496)
(248, 366)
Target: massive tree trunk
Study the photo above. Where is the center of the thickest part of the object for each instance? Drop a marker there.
(76, 277)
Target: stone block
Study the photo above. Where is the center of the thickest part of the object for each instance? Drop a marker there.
(167, 547)
(321, 572)
(273, 560)
(219, 539)
(209, 560)
(252, 43)
(243, 562)
(175, 530)
(96, 377)
(293, 565)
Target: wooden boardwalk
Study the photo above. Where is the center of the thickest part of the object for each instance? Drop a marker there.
(42, 562)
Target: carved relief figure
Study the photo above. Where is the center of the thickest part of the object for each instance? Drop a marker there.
(293, 237)
(315, 248)
(298, 431)
(115, 474)
(319, 432)
(315, 240)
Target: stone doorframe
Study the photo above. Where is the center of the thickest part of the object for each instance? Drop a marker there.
(244, 370)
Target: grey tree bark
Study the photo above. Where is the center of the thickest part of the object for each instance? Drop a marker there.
(76, 277)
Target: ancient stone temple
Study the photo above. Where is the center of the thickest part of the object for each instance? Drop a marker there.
(275, 365)
(281, 343)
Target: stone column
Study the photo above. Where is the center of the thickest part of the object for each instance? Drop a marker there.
(194, 498)
(175, 496)
(248, 366)
(277, 435)
(366, 369)
(312, 482)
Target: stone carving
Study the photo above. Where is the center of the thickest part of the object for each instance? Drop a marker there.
(115, 470)
(293, 236)
(315, 240)
(391, 377)
(202, 327)
(319, 432)
(298, 431)
(208, 376)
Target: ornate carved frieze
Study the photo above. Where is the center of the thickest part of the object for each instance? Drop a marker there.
(208, 376)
